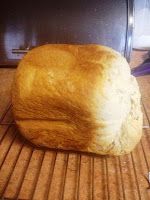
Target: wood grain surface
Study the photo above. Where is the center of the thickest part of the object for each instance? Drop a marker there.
(27, 172)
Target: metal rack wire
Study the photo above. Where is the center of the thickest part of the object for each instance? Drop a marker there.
(80, 176)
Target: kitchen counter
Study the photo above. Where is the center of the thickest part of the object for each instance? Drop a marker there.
(27, 172)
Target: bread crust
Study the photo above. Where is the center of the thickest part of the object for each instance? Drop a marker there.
(77, 97)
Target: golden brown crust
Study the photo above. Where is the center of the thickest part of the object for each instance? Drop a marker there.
(77, 97)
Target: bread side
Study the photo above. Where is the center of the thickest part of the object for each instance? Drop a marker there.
(77, 97)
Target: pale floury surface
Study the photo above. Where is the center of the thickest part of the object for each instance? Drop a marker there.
(77, 97)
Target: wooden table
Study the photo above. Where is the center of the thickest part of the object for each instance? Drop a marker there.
(27, 172)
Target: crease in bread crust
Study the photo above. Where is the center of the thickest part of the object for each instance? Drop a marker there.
(77, 97)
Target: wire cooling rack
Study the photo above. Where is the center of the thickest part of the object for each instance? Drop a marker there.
(28, 172)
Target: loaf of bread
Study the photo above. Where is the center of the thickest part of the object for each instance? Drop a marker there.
(77, 97)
